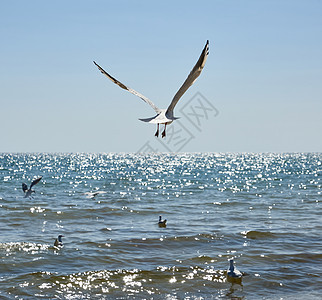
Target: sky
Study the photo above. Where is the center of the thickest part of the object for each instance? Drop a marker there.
(260, 90)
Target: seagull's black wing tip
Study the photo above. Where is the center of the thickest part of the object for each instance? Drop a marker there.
(35, 181)
(207, 47)
(96, 64)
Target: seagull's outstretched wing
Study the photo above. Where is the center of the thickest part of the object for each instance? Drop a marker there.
(24, 187)
(145, 99)
(196, 71)
(35, 182)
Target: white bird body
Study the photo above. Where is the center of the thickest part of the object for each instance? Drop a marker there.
(93, 194)
(166, 116)
(161, 118)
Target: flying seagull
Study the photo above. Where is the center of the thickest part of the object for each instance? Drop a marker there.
(58, 242)
(29, 191)
(166, 116)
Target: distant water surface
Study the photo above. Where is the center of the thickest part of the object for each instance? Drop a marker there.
(263, 210)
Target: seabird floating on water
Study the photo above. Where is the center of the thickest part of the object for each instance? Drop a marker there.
(162, 223)
(29, 191)
(58, 242)
(233, 274)
(166, 116)
(92, 195)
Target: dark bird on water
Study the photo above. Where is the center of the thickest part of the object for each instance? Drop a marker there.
(58, 242)
(29, 191)
(233, 275)
(162, 223)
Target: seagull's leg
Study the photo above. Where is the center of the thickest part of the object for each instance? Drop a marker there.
(163, 133)
(157, 133)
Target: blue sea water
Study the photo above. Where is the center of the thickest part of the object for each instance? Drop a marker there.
(263, 210)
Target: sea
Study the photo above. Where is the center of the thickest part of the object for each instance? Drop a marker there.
(261, 209)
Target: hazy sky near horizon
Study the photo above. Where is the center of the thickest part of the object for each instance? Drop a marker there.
(260, 91)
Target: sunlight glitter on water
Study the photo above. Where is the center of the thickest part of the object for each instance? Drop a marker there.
(107, 206)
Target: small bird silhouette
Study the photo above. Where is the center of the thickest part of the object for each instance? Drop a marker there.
(162, 223)
(29, 191)
(58, 242)
(233, 275)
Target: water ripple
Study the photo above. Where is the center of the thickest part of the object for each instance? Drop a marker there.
(261, 209)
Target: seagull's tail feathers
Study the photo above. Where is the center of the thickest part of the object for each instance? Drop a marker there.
(158, 120)
(148, 120)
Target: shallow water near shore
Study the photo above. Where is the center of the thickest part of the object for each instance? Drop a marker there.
(263, 210)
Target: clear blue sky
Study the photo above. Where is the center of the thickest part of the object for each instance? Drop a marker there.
(263, 74)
